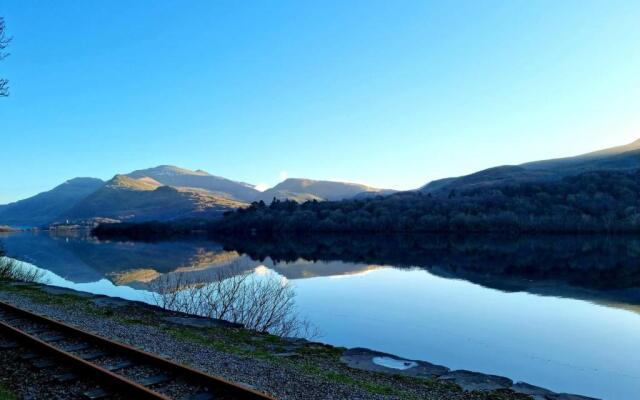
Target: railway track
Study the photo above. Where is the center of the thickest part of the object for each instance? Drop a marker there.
(122, 371)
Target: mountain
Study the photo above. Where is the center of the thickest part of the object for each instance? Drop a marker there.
(46, 207)
(621, 159)
(594, 192)
(162, 193)
(302, 190)
(129, 199)
(635, 145)
(169, 175)
(589, 202)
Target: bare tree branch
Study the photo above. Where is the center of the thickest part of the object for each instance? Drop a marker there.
(4, 42)
(16, 271)
(4, 88)
(265, 303)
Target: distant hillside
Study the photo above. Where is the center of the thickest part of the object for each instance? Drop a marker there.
(621, 158)
(301, 190)
(128, 199)
(169, 175)
(46, 207)
(633, 146)
(595, 192)
(597, 201)
(162, 193)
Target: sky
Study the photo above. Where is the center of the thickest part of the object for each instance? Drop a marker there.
(388, 93)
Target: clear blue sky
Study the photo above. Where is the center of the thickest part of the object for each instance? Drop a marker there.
(389, 93)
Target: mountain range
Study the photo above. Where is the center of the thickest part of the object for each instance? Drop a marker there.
(168, 192)
(161, 193)
(169, 175)
(144, 199)
(594, 192)
(45, 207)
(302, 190)
(620, 158)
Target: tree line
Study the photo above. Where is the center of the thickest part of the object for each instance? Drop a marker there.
(601, 201)
(592, 202)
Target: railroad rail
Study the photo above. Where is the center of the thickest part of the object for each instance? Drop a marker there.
(55, 343)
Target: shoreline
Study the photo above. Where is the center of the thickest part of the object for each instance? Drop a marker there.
(355, 373)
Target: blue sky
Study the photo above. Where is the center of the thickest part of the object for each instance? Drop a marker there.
(388, 93)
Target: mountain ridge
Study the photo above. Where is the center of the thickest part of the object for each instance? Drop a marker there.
(164, 192)
(46, 206)
(304, 189)
(128, 199)
(167, 192)
(170, 175)
(618, 158)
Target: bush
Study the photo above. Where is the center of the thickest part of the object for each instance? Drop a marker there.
(15, 271)
(261, 302)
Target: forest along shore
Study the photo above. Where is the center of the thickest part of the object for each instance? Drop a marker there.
(287, 368)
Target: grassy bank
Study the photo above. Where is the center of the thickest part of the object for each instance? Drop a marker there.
(317, 362)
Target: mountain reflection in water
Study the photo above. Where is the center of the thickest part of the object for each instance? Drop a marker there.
(497, 305)
(597, 268)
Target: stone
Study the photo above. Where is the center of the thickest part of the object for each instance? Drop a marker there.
(200, 322)
(363, 359)
(537, 393)
(470, 381)
(111, 302)
(567, 396)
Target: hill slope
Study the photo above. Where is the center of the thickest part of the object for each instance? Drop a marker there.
(621, 158)
(301, 190)
(46, 207)
(128, 199)
(169, 175)
(595, 192)
(596, 201)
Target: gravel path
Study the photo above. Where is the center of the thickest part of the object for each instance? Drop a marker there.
(283, 380)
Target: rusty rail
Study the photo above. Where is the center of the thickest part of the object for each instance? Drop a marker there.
(218, 385)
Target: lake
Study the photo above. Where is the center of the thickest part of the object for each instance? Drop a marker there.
(559, 312)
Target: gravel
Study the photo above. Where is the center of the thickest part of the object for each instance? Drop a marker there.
(36, 384)
(278, 379)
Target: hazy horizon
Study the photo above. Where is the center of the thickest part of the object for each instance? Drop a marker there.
(392, 96)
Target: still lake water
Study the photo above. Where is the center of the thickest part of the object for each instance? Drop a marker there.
(558, 312)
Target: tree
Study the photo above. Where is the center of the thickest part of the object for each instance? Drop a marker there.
(264, 302)
(4, 42)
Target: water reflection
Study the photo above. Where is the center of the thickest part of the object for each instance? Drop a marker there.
(595, 268)
(81, 258)
(598, 268)
(508, 306)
